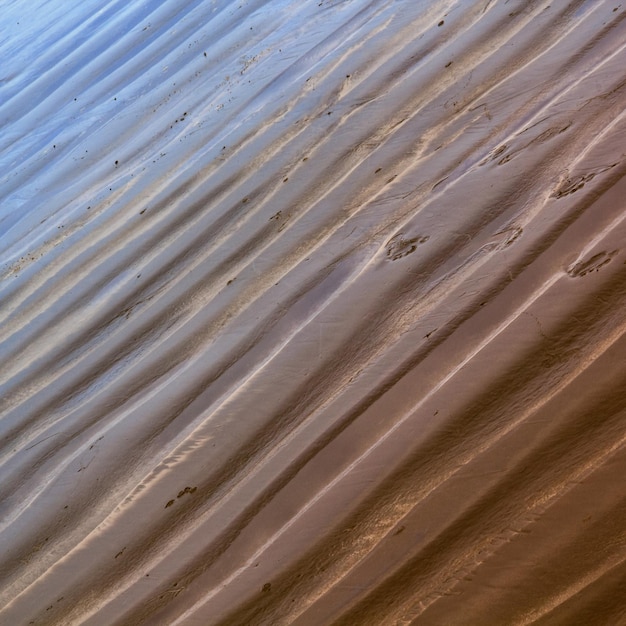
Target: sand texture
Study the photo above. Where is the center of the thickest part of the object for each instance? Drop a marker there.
(313, 312)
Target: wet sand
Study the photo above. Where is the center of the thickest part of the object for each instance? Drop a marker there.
(313, 313)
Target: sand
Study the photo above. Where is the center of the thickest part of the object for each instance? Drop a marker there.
(313, 312)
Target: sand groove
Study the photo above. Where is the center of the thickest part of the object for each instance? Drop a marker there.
(312, 312)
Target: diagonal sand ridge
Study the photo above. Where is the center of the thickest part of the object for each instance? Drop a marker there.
(312, 313)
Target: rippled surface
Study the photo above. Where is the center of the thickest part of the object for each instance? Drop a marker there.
(312, 312)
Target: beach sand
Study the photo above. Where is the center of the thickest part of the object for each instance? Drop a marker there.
(313, 312)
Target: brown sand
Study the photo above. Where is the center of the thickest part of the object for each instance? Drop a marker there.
(313, 313)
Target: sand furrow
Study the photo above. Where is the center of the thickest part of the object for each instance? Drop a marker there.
(312, 312)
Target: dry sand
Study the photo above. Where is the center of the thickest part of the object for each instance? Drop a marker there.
(313, 312)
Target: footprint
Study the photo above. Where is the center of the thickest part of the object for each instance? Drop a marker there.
(569, 186)
(594, 263)
(398, 246)
(509, 236)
